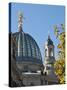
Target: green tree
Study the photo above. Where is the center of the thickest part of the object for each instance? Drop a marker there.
(59, 65)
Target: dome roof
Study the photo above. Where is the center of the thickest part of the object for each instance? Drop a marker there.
(49, 41)
(27, 48)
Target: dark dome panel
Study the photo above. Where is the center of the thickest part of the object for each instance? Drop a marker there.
(27, 49)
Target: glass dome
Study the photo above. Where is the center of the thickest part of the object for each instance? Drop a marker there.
(27, 48)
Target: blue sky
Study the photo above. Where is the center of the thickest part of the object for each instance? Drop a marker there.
(39, 20)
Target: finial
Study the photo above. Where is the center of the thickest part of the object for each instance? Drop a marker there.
(20, 21)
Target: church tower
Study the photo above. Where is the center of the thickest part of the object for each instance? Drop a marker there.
(49, 57)
(49, 62)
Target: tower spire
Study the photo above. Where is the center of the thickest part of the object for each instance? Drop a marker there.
(20, 22)
(48, 34)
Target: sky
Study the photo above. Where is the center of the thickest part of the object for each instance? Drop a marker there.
(39, 21)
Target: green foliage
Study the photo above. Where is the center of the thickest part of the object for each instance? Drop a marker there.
(60, 63)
